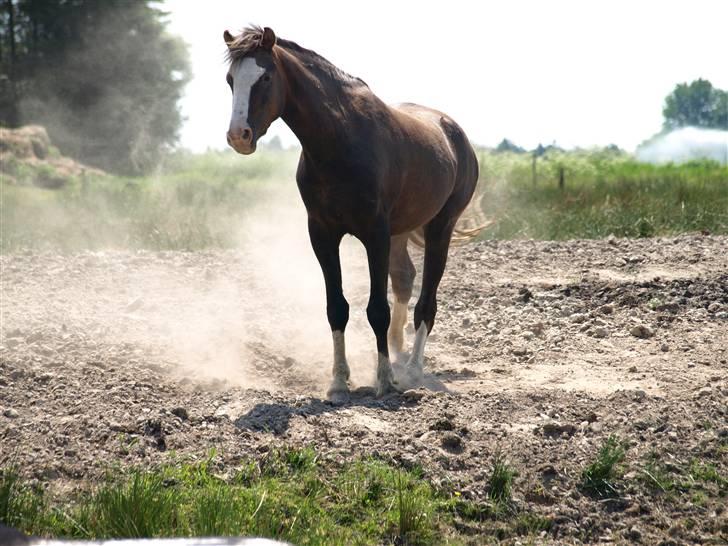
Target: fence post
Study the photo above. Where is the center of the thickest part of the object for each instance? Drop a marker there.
(561, 177)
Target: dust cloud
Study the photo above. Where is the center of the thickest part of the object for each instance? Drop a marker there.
(686, 144)
(267, 319)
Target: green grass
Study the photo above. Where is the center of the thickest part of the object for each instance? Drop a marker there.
(500, 481)
(604, 194)
(288, 495)
(200, 201)
(698, 479)
(600, 477)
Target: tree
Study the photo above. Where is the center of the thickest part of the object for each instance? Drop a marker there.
(103, 76)
(508, 146)
(697, 104)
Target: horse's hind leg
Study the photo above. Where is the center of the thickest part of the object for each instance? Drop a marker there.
(437, 242)
(402, 272)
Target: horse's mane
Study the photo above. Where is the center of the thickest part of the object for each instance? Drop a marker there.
(248, 41)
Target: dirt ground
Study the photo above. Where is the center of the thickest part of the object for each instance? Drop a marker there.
(541, 351)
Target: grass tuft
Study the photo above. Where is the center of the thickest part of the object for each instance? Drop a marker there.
(501, 480)
(599, 478)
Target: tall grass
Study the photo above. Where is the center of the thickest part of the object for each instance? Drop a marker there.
(198, 201)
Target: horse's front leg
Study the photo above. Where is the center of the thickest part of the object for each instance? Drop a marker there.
(377, 245)
(325, 245)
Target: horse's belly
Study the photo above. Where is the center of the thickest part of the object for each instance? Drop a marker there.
(419, 201)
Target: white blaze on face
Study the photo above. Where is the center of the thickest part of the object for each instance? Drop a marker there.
(245, 74)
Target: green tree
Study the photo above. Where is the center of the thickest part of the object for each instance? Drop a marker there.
(697, 104)
(103, 76)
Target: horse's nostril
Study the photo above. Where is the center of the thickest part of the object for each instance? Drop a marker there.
(247, 135)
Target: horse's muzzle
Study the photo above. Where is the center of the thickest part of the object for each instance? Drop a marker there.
(242, 141)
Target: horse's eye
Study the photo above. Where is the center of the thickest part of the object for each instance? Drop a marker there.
(229, 79)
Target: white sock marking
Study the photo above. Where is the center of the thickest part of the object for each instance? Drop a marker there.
(341, 368)
(417, 360)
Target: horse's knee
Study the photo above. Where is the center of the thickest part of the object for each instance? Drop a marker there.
(337, 312)
(379, 317)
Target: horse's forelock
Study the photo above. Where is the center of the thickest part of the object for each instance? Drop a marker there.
(246, 42)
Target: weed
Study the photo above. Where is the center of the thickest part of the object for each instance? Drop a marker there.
(600, 476)
(501, 480)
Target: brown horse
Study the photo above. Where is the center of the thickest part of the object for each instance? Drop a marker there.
(374, 171)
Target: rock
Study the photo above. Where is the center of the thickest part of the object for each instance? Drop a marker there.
(600, 332)
(705, 391)
(664, 347)
(607, 309)
(413, 395)
(10, 413)
(639, 395)
(524, 295)
(714, 307)
(722, 315)
(633, 533)
(466, 322)
(596, 427)
(180, 412)
(452, 442)
(444, 423)
(520, 351)
(578, 318)
(557, 429)
(641, 331)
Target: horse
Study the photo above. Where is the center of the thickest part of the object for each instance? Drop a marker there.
(381, 173)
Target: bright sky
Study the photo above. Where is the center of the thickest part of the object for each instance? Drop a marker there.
(580, 73)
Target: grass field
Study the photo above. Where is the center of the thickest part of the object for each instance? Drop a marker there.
(195, 201)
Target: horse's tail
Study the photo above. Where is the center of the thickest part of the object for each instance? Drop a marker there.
(471, 222)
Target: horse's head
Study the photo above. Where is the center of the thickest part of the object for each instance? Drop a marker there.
(257, 86)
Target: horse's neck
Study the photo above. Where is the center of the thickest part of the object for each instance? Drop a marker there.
(317, 104)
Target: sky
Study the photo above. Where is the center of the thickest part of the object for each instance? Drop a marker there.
(575, 73)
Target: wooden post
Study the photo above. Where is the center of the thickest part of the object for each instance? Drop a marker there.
(533, 169)
(561, 177)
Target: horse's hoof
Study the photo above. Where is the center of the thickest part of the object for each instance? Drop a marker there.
(388, 388)
(338, 398)
(413, 373)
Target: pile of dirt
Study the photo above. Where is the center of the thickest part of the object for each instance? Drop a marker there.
(29, 158)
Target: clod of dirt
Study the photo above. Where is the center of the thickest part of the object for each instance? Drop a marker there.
(557, 429)
(10, 413)
(452, 442)
(180, 412)
(705, 391)
(642, 331)
(600, 332)
(445, 423)
(413, 395)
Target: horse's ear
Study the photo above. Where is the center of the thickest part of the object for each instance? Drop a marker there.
(229, 38)
(268, 40)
